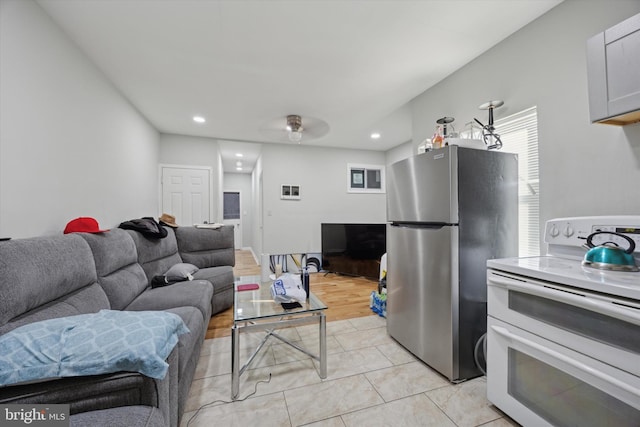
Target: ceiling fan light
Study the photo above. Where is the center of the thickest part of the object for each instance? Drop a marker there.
(294, 127)
(295, 136)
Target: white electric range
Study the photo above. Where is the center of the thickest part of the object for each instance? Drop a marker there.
(563, 339)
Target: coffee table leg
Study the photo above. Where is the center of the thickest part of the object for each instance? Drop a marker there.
(235, 362)
(323, 346)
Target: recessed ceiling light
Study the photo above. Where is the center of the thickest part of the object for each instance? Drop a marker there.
(238, 169)
(199, 119)
(375, 135)
(239, 155)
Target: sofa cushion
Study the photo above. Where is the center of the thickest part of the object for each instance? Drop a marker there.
(206, 247)
(195, 293)
(221, 277)
(89, 299)
(38, 271)
(90, 344)
(156, 256)
(116, 261)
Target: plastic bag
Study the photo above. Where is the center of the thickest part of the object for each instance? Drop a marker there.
(378, 303)
(288, 288)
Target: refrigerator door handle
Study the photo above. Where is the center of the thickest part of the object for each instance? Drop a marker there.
(433, 225)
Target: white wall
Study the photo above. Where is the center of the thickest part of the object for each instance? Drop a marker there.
(219, 188)
(293, 226)
(585, 169)
(70, 144)
(195, 151)
(256, 226)
(242, 182)
(400, 152)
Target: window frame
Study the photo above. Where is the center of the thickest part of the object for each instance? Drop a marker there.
(528, 176)
(358, 178)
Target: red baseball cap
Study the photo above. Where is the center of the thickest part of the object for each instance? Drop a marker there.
(83, 225)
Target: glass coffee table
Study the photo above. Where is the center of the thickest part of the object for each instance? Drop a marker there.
(254, 309)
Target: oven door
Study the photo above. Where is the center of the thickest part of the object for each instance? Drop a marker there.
(540, 383)
(605, 327)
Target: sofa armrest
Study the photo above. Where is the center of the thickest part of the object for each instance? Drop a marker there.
(90, 393)
(205, 247)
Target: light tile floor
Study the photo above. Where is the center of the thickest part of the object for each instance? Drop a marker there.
(371, 380)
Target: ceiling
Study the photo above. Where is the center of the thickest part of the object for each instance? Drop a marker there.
(348, 67)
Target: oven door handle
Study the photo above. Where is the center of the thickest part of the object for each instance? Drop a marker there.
(625, 314)
(567, 360)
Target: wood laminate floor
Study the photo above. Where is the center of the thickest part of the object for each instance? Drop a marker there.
(347, 297)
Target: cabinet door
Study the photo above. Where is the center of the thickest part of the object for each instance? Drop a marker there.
(613, 61)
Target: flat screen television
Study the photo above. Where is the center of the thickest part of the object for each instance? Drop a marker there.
(353, 249)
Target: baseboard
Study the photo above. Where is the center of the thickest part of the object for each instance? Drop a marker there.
(255, 257)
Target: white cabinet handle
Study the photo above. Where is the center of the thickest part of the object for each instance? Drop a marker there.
(567, 360)
(608, 309)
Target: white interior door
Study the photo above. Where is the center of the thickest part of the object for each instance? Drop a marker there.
(232, 214)
(186, 194)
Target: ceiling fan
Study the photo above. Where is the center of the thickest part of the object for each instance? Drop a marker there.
(294, 128)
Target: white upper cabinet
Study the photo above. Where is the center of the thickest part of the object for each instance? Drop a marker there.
(613, 69)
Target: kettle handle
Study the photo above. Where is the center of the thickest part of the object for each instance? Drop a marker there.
(632, 244)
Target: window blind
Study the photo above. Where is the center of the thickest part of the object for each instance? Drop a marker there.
(519, 134)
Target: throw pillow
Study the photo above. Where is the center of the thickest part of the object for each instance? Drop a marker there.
(180, 272)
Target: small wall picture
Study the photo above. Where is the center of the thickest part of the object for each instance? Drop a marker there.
(290, 192)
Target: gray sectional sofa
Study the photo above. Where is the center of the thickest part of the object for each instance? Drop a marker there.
(66, 275)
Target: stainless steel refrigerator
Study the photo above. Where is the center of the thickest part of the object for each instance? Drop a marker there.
(449, 211)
